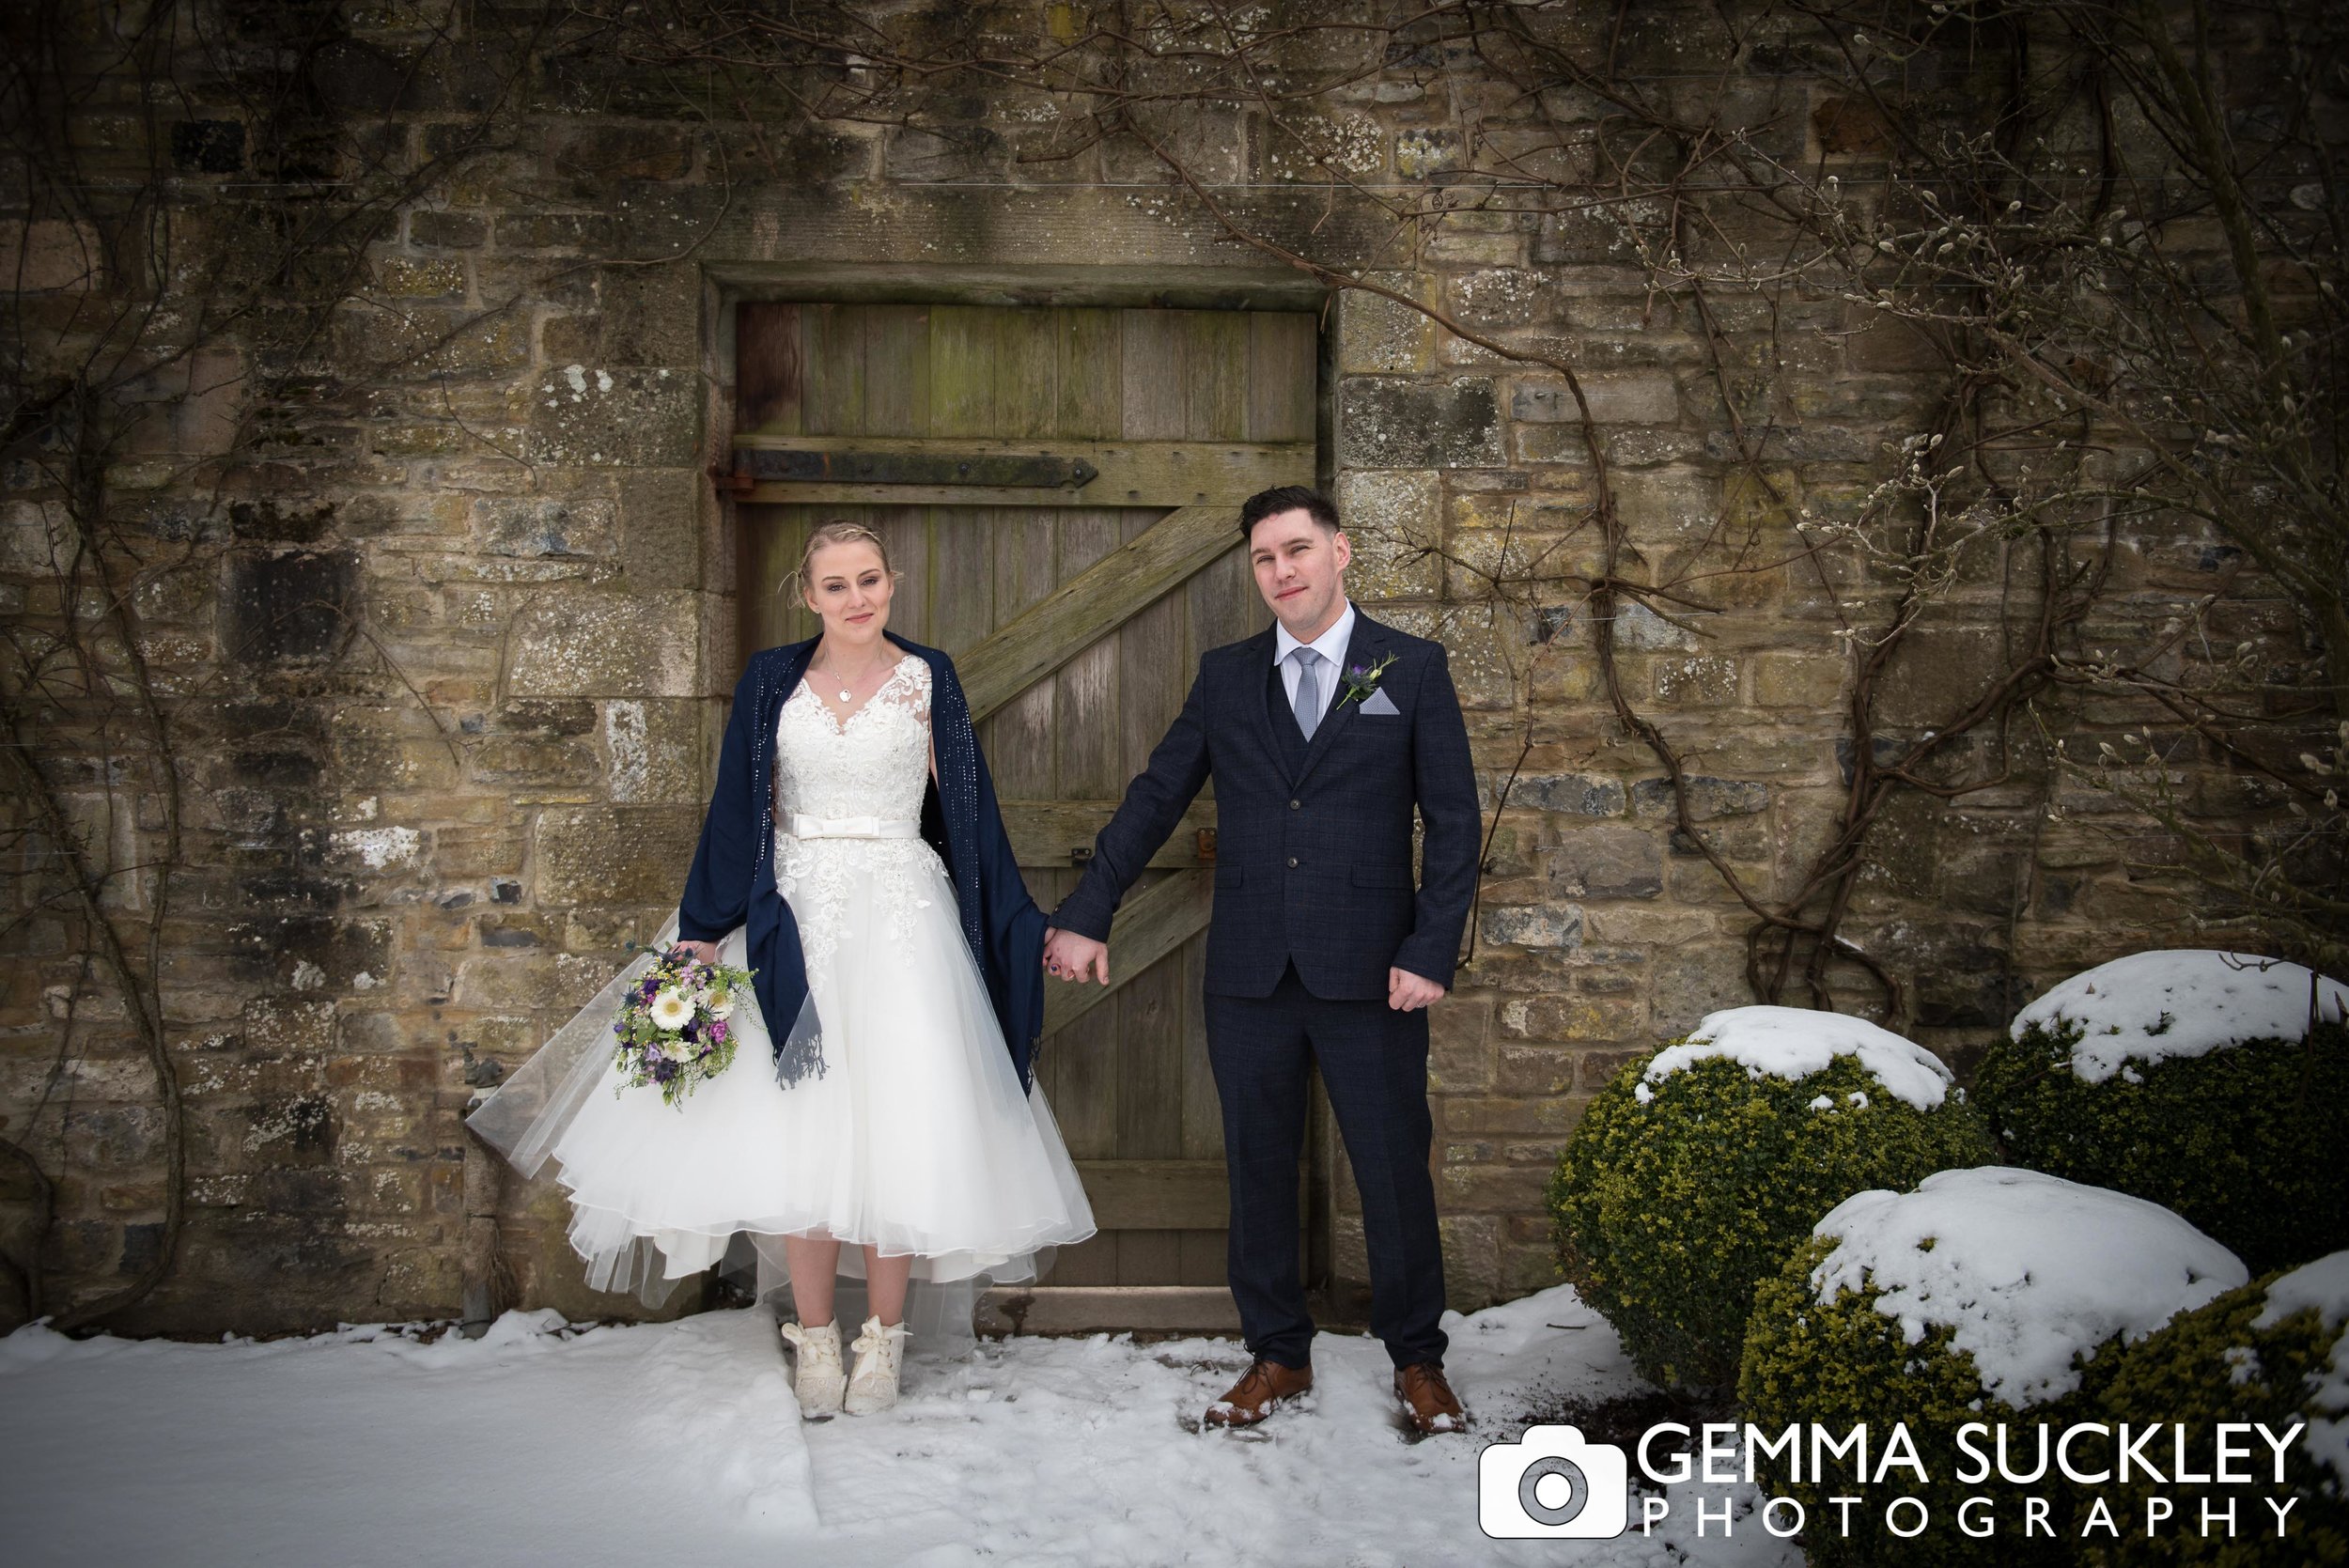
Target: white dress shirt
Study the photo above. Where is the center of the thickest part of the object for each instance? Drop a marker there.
(1331, 644)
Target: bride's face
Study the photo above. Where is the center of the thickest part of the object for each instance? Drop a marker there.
(849, 587)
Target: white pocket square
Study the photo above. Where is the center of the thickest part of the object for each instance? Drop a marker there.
(1379, 702)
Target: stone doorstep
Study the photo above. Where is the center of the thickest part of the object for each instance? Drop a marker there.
(1146, 1312)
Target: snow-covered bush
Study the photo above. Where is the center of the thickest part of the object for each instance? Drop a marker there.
(2192, 1079)
(1697, 1169)
(2276, 1351)
(1992, 1295)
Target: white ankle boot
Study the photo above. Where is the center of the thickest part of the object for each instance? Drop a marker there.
(818, 1382)
(880, 1354)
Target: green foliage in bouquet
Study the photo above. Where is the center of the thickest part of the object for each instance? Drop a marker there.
(1667, 1210)
(2245, 1141)
(2237, 1360)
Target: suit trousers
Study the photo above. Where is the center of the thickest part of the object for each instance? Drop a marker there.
(1373, 1067)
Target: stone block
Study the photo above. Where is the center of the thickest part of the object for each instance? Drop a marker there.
(448, 231)
(1394, 519)
(1534, 925)
(1935, 676)
(1527, 1268)
(1607, 861)
(1595, 235)
(1667, 505)
(613, 854)
(585, 642)
(546, 525)
(627, 418)
(1534, 1069)
(1574, 794)
(1471, 1260)
(652, 751)
(1800, 680)
(1561, 1018)
(1705, 680)
(1459, 1056)
(1385, 423)
(292, 607)
(661, 543)
(1378, 336)
(1504, 1114)
(1628, 398)
(50, 254)
(415, 278)
(1490, 1189)
(1708, 797)
(1504, 298)
(593, 157)
(1423, 150)
(1690, 983)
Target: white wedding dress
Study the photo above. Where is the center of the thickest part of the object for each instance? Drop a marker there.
(915, 1138)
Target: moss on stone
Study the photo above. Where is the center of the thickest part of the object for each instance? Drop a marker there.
(1666, 1212)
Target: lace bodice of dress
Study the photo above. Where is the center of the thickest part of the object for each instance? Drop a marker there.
(874, 764)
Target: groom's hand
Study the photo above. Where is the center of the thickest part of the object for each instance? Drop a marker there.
(1075, 957)
(1408, 992)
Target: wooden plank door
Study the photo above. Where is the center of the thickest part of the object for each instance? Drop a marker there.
(1060, 486)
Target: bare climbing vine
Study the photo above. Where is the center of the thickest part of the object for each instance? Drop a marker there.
(2016, 188)
(175, 284)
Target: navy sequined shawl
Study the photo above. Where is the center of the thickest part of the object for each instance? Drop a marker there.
(732, 882)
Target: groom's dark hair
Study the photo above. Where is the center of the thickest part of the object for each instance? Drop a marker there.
(1287, 498)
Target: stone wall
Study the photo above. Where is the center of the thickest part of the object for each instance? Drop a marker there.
(447, 652)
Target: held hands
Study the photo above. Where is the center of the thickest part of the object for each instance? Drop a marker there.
(1075, 957)
(1408, 992)
(704, 953)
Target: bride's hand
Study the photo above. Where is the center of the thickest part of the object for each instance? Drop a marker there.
(706, 952)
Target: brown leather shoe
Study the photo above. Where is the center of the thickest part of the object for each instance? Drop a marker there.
(1251, 1398)
(1428, 1399)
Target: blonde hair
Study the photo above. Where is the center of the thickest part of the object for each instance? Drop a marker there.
(837, 531)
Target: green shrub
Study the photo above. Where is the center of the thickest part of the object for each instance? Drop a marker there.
(2244, 1139)
(2047, 1278)
(1844, 1363)
(2220, 1364)
(1666, 1210)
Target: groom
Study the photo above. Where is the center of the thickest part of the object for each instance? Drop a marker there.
(1323, 736)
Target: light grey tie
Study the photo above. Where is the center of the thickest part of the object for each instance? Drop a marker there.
(1308, 703)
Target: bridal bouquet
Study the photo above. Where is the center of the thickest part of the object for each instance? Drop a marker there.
(675, 1028)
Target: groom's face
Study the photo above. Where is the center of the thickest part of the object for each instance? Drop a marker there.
(1301, 571)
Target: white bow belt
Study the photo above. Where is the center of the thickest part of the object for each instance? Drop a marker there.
(803, 826)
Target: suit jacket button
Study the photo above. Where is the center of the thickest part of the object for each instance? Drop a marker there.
(1294, 805)
(1292, 863)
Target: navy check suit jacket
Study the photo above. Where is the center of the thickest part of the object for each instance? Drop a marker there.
(1312, 841)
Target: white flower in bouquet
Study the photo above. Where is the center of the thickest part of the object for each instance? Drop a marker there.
(672, 1011)
(721, 1004)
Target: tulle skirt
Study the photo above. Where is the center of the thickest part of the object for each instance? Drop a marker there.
(915, 1139)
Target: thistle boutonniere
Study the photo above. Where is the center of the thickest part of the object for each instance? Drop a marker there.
(1362, 679)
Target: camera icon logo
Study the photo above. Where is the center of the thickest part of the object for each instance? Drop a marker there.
(1551, 1484)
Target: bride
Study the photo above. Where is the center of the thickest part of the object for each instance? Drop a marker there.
(854, 857)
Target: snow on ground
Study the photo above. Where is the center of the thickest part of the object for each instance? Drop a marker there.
(1795, 1042)
(679, 1442)
(2189, 1002)
(2025, 1268)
